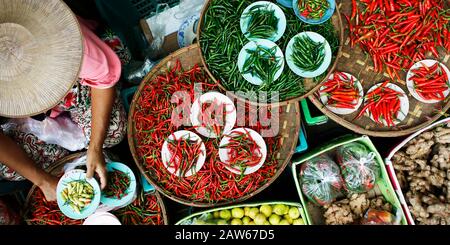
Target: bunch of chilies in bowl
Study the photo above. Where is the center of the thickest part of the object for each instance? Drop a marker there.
(188, 165)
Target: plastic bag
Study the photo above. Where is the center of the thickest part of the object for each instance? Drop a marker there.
(158, 30)
(320, 180)
(189, 8)
(358, 167)
(61, 131)
(379, 217)
(138, 71)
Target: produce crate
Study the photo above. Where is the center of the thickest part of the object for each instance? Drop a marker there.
(382, 187)
(356, 62)
(289, 121)
(58, 170)
(391, 171)
(210, 211)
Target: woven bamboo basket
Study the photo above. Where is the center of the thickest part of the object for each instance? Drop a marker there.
(289, 129)
(354, 61)
(58, 169)
(309, 84)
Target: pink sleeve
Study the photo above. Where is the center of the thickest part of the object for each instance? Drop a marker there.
(101, 67)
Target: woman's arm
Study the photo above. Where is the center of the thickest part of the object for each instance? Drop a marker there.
(15, 158)
(102, 103)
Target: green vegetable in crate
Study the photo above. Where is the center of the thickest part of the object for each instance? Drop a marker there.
(308, 55)
(263, 63)
(320, 180)
(262, 22)
(267, 214)
(358, 167)
(78, 195)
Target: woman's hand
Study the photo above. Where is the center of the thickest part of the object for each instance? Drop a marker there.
(96, 164)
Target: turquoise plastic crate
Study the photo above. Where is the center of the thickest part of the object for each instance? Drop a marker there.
(311, 121)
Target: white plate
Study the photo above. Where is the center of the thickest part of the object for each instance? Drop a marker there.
(410, 83)
(223, 152)
(282, 23)
(102, 218)
(243, 56)
(210, 97)
(404, 103)
(326, 62)
(166, 156)
(343, 111)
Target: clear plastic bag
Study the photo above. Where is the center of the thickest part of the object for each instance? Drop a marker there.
(358, 167)
(380, 217)
(320, 180)
(61, 131)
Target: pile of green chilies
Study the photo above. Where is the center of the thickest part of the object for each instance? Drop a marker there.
(118, 183)
(307, 54)
(263, 63)
(221, 41)
(262, 22)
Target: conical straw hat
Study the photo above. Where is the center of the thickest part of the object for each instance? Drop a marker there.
(41, 51)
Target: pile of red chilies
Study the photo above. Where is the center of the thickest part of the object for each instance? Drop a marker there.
(341, 91)
(145, 210)
(398, 33)
(243, 151)
(383, 103)
(152, 122)
(118, 183)
(184, 154)
(430, 83)
(41, 212)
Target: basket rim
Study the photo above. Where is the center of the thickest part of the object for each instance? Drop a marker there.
(279, 103)
(132, 145)
(385, 134)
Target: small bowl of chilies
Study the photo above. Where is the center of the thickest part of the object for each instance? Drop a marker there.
(243, 151)
(263, 20)
(428, 81)
(314, 12)
(77, 196)
(308, 54)
(121, 188)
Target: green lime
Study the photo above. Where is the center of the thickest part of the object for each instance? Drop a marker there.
(280, 209)
(237, 213)
(253, 212)
(294, 213)
(266, 210)
(236, 222)
(260, 219)
(284, 222)
(274, 219)
(298, 222)
(225, 214)
(246, 220)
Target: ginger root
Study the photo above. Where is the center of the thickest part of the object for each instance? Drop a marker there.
(338, 213)
(423, 170)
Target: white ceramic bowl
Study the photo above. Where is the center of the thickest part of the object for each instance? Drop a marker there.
(282, 23)
(243, 56)
(322, 68)
(343, 111)
(404, 103)
(230, 117)
(166, 156)
(223, 152)
(410, 83)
